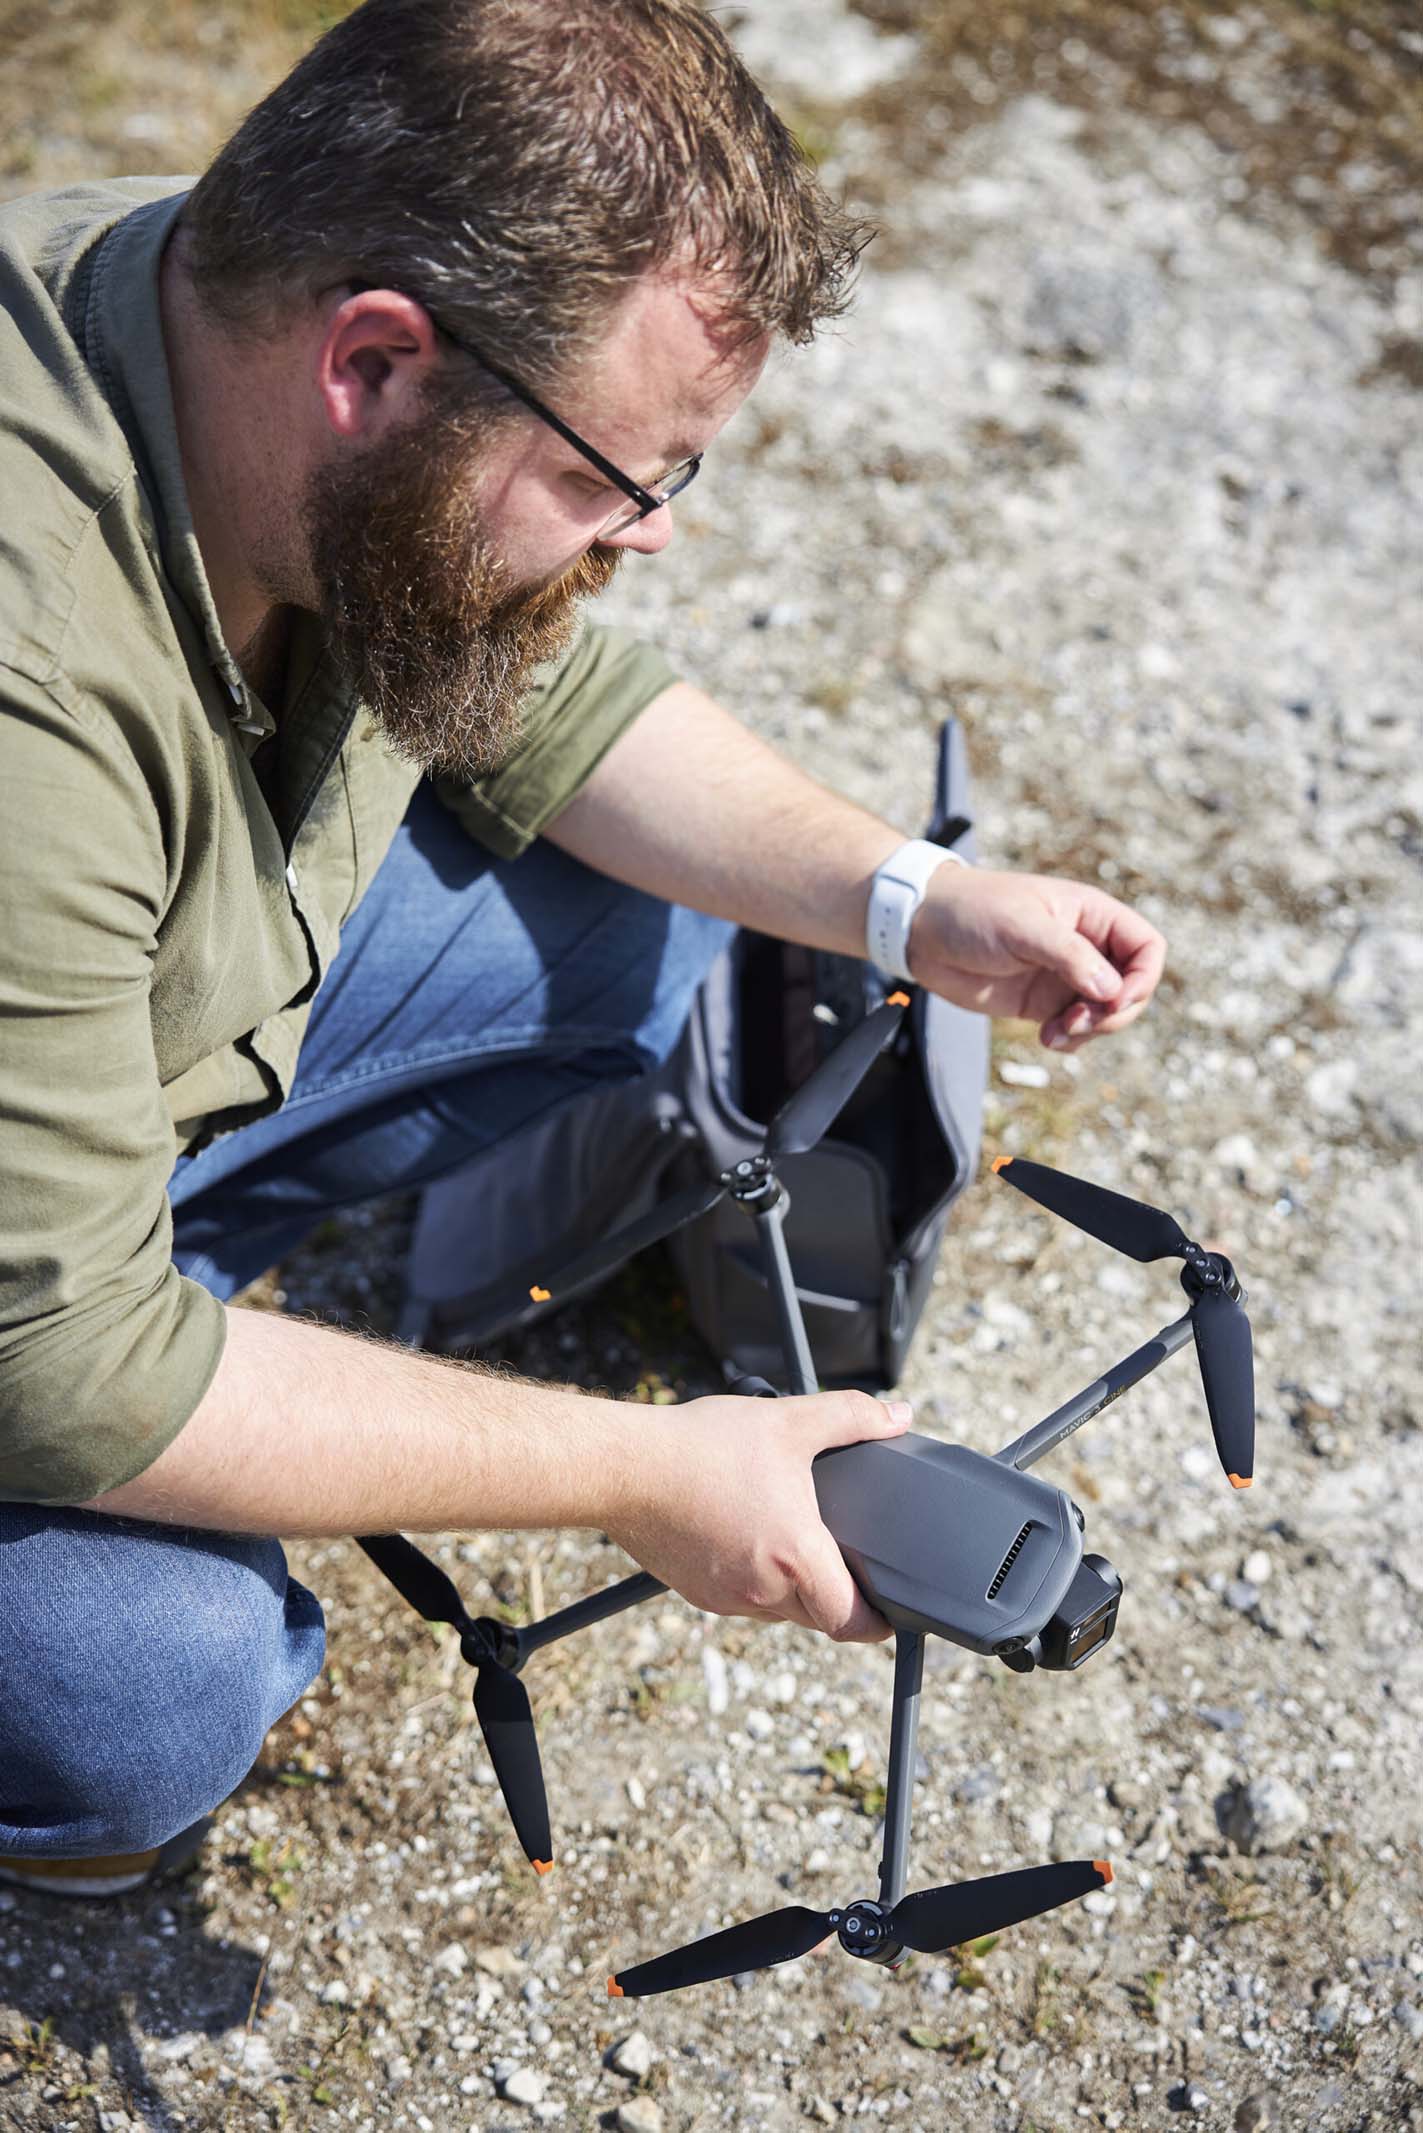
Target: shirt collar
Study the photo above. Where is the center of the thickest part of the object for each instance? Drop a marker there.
(125, 347)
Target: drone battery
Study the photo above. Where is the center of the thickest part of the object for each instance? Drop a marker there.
(948, 1542)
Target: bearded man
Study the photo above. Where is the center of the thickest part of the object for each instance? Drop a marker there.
(333, 849)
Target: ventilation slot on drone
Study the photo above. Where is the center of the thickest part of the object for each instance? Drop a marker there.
(1008, 1561)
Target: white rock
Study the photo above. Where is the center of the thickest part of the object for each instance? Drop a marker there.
(1265, 1816)
(760, 1725)
(714, 1676)
(639, 2115)
(1256, 1567)
(631, 2056)
(1020, 1074)
(524, 2086)
(452, 1960)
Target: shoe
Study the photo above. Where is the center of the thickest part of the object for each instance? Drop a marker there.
(113, 1876)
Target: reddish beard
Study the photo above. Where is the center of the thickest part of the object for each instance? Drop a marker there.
(421, 621)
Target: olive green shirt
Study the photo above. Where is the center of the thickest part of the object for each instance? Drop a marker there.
(164, 920)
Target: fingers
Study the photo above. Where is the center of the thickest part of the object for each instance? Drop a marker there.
(1138, 953)
(848, 1417)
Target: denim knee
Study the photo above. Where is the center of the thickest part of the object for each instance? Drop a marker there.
(144, 1667)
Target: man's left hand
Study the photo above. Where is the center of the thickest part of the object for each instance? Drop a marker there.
(1068, 957)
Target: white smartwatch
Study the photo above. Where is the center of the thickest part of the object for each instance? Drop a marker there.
(896, 893)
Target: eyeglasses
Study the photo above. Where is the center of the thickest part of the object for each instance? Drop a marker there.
(640, 502)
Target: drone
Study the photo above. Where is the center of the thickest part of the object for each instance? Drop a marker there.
(942, 1540)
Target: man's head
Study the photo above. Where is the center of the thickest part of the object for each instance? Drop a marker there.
(592, 194)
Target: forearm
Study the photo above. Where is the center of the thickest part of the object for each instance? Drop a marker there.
(693, 807)
(308, 1431)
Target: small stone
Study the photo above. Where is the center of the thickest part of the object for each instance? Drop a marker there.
(7, 1901)
(336, 1993)
(1264, 1816)
(631, 2056)
(1242, 1595)
(1410, 2020)
(540, 2034)
(1020, 1074)
(1256, 1570)
(1189, 2097)
(452, 1959)
(639, 2115)
(176, 2049)
(760, 1725)
(499, 1962)
(523, 2086)
(782, 1688)
(397, 2070)
(714, 1676)
(1255, 2114)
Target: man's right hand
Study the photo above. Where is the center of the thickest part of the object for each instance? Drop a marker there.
(723, 1508)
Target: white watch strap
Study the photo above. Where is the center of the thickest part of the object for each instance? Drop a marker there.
(896, 893)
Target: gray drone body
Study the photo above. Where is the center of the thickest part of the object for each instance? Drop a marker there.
(949, 1543)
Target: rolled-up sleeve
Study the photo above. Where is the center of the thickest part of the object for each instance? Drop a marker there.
(105, 1350)
(575, 711)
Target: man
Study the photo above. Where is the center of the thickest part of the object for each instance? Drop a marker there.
(309, 468)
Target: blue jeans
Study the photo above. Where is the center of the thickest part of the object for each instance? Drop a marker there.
(144, 1664)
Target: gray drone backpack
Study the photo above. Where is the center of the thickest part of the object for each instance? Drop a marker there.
(868, 1206)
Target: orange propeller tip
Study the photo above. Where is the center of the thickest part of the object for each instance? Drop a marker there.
(615, 1990)
(1104, 1868)
(1238, 1481)
(897, 999)
(540, 1296)
(1001, 1162)
(542, 1866)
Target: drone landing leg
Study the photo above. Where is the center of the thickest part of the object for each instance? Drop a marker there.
(899, 1786)
(1036, 1443)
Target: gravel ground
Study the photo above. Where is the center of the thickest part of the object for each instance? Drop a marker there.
(1119, 458)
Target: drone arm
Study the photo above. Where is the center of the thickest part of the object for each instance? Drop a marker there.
(1044, 1436)
(613, 1600)
(770, 1227)
(899, 1786)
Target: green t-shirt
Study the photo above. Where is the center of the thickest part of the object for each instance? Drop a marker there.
(165, 925)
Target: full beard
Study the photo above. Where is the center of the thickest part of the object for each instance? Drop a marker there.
(421, 621)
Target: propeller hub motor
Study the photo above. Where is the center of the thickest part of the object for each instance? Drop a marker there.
(752, 1181)
(490, 1643)
(864, 1931)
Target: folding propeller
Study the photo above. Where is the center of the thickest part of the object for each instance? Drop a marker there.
(1218, 1321)
(797, 1127)
(928, 1921)
(501, 1702)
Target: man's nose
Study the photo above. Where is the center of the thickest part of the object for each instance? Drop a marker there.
(645, 535)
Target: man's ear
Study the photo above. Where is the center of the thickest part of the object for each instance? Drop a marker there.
(375, 354)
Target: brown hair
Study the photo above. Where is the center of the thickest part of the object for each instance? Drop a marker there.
(515, 165)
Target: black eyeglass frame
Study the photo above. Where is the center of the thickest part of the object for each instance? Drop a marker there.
(647, 500)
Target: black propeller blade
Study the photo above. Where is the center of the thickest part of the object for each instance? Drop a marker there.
(1223, 1345)
(934, 1919)
(501, 1702)
(758, 1944)
(1226, 1355)
(604, 1257)
(803, 1119)
(417, 1579)
(1129, 1226)
(928, 1921)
